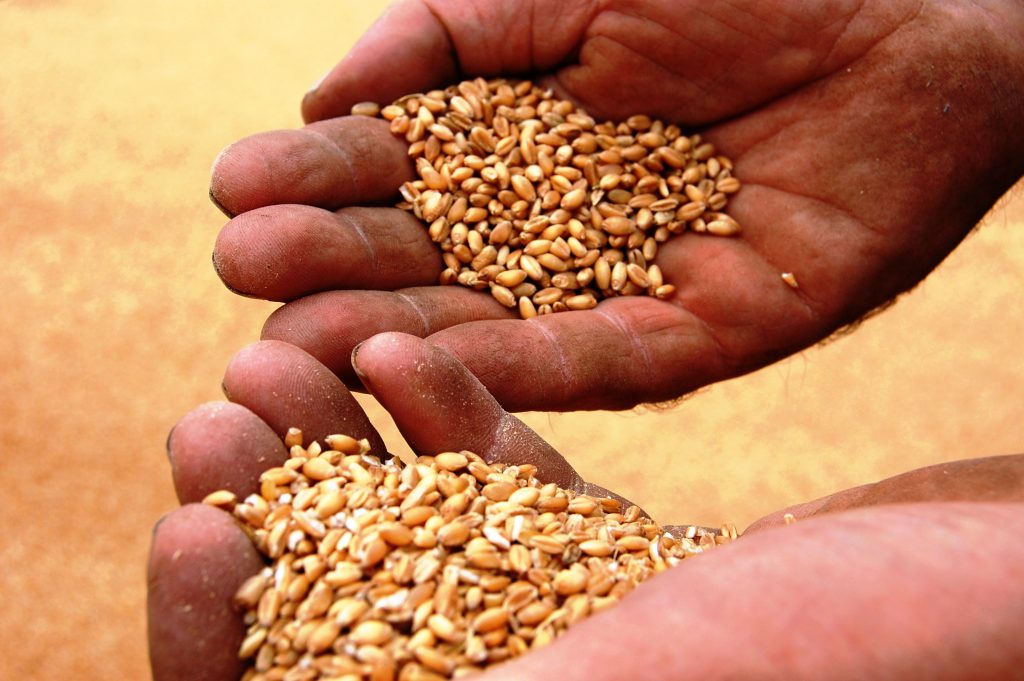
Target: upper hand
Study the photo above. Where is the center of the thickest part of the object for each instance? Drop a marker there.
(868, 141)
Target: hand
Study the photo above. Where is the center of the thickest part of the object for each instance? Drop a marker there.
(865, 593)
(200, 557)
(870, 137)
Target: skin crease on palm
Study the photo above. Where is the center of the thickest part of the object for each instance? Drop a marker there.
(854, 126)
(870, 136)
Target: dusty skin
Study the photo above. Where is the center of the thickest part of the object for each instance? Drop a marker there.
(115, 324)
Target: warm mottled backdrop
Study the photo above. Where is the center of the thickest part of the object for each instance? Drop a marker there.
(114, 323)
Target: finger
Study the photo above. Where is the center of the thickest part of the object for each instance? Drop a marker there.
(990, 479)
(350, 160)
(623, 352)
(220, 445)
(417, 46)
(438, 406)
(329, 325)
(288, 388)
(283, 252)
(198, 559)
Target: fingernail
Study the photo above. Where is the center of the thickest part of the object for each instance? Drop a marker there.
(355, 365)
(227, 284)
(156, 528)
(220, 206)
(319, 81)
(213, 181)
(167, 444)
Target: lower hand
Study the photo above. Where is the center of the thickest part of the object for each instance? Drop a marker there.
(200, 556)
(878, 591)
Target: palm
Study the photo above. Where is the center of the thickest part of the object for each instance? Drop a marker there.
(846, 176)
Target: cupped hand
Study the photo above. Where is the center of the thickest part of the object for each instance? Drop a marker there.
(870, 138)
(200, 556)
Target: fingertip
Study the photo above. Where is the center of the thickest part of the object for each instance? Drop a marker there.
(230, 176)
(247, 358)
(435, 401)
(386, 357)
(288, 388)
(248, 255)
(219, 187)
(403, 360)
(308, 106)
(193, 528)
(221, 445)
(312, 108)
(359, 374)
(387, 351)
(220, 206)
(350, 160)
(225, 272)
(287, 251)
(198, 558)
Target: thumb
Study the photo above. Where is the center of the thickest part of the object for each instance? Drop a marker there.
(198, 558)
(419, 45)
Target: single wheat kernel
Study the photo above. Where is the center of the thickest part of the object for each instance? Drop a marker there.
(318, 469)
(451, 461)
(583, 301)
(524, 496)
(292, 438)
(221, 497)
(638, 275)
(503, 295)
(511, 278)
(665, 291)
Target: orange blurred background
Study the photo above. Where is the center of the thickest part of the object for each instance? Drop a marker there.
(115, 324)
